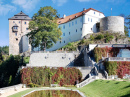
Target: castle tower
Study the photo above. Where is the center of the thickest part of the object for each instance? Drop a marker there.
(18, 27)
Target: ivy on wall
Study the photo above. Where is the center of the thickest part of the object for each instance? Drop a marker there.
(44, 76)
(117, 68)
(105, 52)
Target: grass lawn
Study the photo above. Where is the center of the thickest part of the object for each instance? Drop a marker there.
(98, 88)
(107, 88)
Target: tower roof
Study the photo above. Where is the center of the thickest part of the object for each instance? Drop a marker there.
(20, 16)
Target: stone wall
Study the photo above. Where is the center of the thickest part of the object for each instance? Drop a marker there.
(112, 24)
(87, 59)
(52, 59)
(15, 38)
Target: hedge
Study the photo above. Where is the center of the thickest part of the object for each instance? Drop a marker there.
(104, 51)
(44, 76)
(117, 68)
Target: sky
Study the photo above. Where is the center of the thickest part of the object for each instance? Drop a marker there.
(8, 8)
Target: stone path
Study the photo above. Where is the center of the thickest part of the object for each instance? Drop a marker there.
(13, 92)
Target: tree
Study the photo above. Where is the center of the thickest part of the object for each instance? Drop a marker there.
(126, 30)
(127, 23)
(44, 28)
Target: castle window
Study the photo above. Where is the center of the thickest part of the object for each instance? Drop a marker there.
(80, 19)
(76, 22)
(69, 33)
(80, 29)
(64, 27)
(60, 41)
(69, 24)
(26, 28)
(16, 39)
(13, 21)
(63, 34)
(88, 19)
(72, 23)
(25, 22)
(64, 41)
(76, 30)
(19, 21)
(91, 20)
(16, 34)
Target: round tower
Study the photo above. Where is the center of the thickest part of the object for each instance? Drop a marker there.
(112, 24)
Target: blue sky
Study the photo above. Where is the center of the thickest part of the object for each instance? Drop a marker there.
(8, 8)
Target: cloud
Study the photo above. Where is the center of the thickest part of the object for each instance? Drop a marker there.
(59, 2)
(27, 5)
(6, 8)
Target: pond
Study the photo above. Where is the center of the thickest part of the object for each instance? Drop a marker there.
(54, 93)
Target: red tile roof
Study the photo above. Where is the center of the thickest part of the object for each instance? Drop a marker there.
(73, 16)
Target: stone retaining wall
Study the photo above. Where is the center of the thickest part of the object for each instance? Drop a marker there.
(52, 59)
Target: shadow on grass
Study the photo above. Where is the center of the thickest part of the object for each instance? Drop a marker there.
(117, 83)
(127, 87)
(127, 95)
(107, 81)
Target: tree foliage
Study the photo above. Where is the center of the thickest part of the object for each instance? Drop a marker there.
(4, 50)
(8, 70)
(127, 24)
(44, 28)
(128, 21)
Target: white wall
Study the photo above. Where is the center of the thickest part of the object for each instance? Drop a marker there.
(89, 22)
(73, 36)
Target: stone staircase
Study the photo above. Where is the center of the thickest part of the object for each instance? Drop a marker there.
(85, 71)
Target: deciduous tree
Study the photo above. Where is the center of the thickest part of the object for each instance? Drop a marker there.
(44, 28)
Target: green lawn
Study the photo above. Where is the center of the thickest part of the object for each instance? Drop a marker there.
(98, 88)
(106, 88)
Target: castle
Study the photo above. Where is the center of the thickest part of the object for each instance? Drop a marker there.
(74, 27)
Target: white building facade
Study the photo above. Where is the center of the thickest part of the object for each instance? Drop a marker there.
(76, 26)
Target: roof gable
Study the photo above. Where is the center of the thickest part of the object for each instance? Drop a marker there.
(73, 16)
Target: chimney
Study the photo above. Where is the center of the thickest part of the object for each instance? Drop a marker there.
(84, 9)
(64, 16)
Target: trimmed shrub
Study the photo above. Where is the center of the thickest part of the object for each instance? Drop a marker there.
(100, 36)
